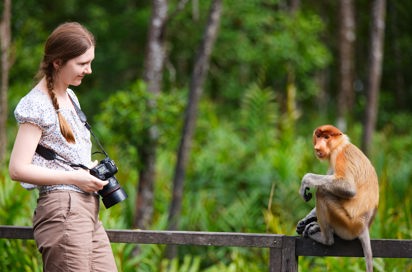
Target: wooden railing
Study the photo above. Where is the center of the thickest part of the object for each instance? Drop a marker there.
(284, 250)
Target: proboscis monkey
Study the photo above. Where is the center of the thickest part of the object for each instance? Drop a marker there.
(346, 197)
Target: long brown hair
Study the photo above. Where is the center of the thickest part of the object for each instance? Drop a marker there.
(67, 41)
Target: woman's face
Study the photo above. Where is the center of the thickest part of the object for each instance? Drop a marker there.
(75, 69)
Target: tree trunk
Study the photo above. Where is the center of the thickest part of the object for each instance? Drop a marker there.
(5, 38)
(375, 71)
(153, 73)
(399, 80)
(195, 91)
(294, 5)
(347, 37)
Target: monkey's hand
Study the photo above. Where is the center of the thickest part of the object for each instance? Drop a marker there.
(307, 195)
(305, 187)
(312, 181)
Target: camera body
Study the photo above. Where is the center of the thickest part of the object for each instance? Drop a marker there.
(111, 193)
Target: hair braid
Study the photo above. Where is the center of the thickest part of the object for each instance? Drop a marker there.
(64, 126)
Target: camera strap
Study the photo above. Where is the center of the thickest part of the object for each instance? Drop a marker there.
(83, 118)
(50, 154)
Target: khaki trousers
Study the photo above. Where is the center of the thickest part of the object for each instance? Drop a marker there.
(69, 234)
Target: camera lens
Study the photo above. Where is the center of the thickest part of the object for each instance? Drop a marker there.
(115, 197)
(112, 193)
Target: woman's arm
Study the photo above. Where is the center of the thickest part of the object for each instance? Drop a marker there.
(22, 169)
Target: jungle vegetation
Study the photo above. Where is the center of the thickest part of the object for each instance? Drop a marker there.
(209, 114)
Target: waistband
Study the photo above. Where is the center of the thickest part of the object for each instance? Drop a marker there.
(59, 190)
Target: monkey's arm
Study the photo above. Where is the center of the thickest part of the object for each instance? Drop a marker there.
(340, 187)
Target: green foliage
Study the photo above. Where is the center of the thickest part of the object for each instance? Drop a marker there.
(12, 195)
(148, 260)
(267, 47)
(16, 208)
(296, 41)
(240, 262)
(259, 113)
(245, 148)
(190, 264)
(243, 177)
(19, 255)
(250, 148)
(130, 115)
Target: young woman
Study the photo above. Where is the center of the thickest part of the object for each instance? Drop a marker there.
(66, 226)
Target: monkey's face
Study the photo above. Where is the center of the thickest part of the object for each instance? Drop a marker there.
(324, 138)
(321, 147)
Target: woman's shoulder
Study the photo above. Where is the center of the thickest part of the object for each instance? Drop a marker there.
(34, 106)
(35, 96)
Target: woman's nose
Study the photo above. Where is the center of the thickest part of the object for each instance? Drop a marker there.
(88, 69)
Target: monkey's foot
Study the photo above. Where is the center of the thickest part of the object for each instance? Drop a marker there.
(301, 226)
(311, 229)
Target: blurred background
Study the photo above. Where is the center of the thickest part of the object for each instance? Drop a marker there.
(208, 109)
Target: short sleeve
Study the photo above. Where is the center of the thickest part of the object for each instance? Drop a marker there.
(36, 108)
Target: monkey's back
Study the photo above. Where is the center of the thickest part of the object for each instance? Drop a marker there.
(365, 177)
(349, 215)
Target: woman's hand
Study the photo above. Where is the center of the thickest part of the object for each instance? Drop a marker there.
(87, 182)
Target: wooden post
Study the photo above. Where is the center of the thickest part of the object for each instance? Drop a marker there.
(289, 258)
(283, 258)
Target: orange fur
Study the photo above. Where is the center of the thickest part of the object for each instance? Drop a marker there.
(347, 198)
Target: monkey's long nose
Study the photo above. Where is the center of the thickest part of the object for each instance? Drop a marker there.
(318, 152)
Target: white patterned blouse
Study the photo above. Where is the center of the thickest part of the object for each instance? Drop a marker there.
(37, 108)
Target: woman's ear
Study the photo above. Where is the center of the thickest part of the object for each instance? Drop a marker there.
(57, 64)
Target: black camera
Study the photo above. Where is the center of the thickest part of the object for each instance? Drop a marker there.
(111, 193)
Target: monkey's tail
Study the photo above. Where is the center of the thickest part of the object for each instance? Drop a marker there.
(367, 249)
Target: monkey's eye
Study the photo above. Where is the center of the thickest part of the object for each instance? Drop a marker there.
(326, 137)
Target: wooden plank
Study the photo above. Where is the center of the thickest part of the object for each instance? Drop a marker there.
(16, 232)
(230, 239)
(382, 248)
(392, 248)
(196, 238)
